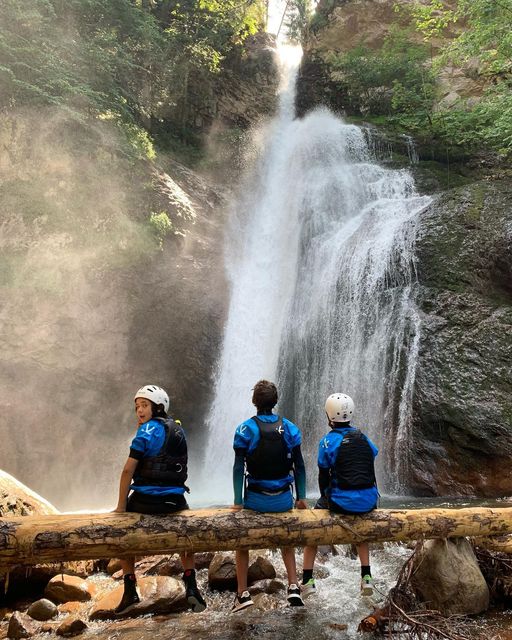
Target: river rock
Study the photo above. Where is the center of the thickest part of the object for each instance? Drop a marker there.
(158, 594)
(222, 572)
(447, 578)
(70, 607)
(42, 610)
(172, 566)
(71, 626)
(267, 586)
(16, 499)
(114, 567)
(21, 626)
(260, 569)
(63, 588)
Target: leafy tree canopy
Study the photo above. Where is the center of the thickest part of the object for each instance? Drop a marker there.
(114, 59)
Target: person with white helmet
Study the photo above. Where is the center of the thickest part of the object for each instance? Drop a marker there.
(153, 481)
(346, 478)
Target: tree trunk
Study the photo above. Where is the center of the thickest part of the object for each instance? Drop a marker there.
(36, 539)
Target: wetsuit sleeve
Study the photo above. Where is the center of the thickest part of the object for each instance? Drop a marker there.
(238, 475)
(293, 435)
(324, 480)
(300, 473)
(140, 443)
(243, 437)
(323, 459)
(134, 453)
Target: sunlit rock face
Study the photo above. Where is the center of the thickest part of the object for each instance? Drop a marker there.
(342, 25)
(18, 500)
(461, 434)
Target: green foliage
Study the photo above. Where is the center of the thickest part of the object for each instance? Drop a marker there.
(484, 27)
(485, 38)
(399, 82)
(161, 226)
(390, 81)
(487, 124)
(298, 20)
(115, 59)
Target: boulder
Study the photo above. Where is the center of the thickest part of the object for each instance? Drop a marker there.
(16, 499)
(63, 588)
(70, 607)
(171, 565)
(42, 610)
(267, 586)
(21, 626)
(158, 594)
(260, 569)
(71, 626)
(447, 578)
(222, 572)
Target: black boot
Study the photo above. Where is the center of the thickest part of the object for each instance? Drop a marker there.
(130, 596)
(193, 595)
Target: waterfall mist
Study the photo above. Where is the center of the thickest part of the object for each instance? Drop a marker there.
(320, 258)
(92, 306)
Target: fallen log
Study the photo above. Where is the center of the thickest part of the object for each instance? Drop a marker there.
(36, 539)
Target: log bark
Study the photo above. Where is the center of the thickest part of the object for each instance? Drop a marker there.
(36, 539)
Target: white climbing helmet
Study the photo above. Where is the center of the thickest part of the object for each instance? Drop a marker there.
(155, 394)
(339, 407)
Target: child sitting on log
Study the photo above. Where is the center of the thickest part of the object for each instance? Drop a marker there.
(269, 459)
(157, 464)
(346, 478)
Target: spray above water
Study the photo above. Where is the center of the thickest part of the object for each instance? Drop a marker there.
(320, 258)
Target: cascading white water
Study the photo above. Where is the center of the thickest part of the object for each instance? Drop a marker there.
(352, 326)
(320, 259)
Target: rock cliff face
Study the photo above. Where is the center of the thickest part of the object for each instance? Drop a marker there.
(342, 25)
(243, 92)
(462, 413)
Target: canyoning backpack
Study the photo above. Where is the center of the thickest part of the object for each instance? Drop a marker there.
(354, 464)
(166, 469)
(271, 459)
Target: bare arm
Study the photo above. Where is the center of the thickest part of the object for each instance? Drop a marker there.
(124, 484)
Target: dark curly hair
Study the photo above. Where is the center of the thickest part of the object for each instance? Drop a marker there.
(264, 395)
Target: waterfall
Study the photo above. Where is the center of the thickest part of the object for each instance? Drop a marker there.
(320, 258)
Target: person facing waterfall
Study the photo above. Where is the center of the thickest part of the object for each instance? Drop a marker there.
(157, 464)
(268, 457)
(346, 478)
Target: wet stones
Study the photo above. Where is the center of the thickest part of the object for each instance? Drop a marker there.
(42, 610)
(71, 627)
(158, 594)
(21, 626)
(63, 588)
(222, 571)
